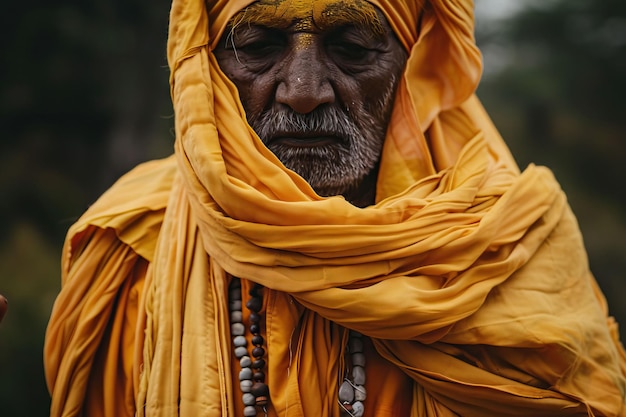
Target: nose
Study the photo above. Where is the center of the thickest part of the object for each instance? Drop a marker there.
(303, 82)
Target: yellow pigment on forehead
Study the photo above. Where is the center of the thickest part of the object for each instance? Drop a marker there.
(307, 15)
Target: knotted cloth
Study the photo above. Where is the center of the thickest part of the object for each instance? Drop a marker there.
(467, 275)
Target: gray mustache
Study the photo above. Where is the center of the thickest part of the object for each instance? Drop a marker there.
(326, 121)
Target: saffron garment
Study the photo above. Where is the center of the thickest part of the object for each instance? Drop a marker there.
(468, 277)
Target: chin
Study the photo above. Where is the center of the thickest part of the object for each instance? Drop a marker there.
(347, 187)
(332, 191)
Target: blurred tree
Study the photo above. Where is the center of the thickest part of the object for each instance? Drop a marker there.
(557, 98)
(85, 97)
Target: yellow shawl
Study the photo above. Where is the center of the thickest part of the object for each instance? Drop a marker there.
(467, 274)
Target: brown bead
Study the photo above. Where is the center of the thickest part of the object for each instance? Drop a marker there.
(254, 304)
(257, 340)
(262, 401)
(259, 376)
(260, 389)
(258, 352)
(255, 291)
(258, 364)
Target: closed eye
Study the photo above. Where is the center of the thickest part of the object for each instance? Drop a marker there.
(349, 51)
(257, 41)
(352, 48)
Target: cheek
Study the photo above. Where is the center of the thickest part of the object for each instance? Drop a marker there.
(382, 81)
(254, 90)
(253, 93)
(371, 92)
(256, 93)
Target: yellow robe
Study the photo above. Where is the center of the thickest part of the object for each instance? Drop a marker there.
(468, 276)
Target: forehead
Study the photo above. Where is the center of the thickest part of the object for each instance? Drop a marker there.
(311, 14)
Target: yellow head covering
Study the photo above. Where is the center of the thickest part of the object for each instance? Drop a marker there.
(463, 273)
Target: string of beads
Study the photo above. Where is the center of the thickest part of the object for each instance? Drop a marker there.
(252, 375)
(352, 392)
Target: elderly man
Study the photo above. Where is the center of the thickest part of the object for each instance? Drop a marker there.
(341, 232)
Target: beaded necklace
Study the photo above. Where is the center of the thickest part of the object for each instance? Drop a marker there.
(256, 395)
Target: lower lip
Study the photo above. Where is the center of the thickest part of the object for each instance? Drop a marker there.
(312, 142)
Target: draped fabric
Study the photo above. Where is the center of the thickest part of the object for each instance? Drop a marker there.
(469, 276)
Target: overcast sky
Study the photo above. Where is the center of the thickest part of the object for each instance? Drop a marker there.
(496, 57)
(496, 9)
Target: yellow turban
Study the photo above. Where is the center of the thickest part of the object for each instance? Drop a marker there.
(467, 275)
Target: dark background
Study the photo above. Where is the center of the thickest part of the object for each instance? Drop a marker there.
(85, 97)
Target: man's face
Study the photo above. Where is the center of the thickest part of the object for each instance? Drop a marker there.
(317, 80)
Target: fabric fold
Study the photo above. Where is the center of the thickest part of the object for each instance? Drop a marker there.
(462, 274)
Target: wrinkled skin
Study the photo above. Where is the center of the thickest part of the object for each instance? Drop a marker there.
(318, 91)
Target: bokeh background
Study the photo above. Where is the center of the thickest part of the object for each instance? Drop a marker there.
(84, 97)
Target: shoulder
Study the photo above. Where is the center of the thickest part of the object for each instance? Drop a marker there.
(133, 207)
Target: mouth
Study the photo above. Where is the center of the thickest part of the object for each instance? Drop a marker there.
(300, 140)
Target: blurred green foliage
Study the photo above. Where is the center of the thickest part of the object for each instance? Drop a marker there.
(85, 97)
(558, 99)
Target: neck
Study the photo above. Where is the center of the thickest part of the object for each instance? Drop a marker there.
(364, 194)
